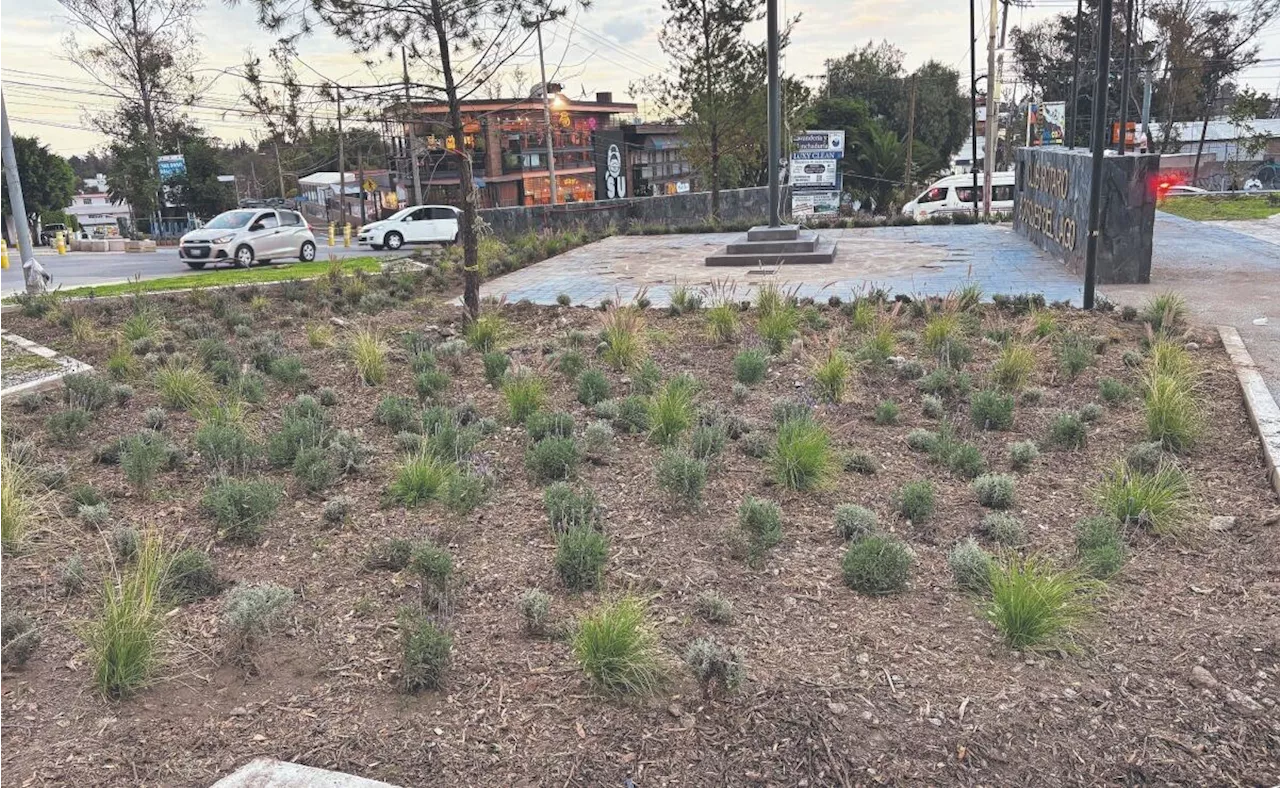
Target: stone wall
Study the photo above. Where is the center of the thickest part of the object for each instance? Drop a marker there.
(736, 205)
(1051, 209)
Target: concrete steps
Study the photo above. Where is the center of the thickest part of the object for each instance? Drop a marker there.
(771, 246)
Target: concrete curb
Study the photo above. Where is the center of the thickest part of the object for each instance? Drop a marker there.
(1262, 408)
(69, 366)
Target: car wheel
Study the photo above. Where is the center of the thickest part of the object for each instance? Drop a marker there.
(376, 247)
(244, 256)
(195, 264)
(394, 240)
(308, 252)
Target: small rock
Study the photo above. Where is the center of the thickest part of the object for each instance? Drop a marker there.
(1193, 346)
(896, 360)
(1201, 677)
(675, 711)
(239, 711)
(864, 658)
(1222, 522)
(339, 322)
(1242, 702)
(837, 708)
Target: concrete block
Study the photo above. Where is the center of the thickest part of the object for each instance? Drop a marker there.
(115, 244)
(270, 773)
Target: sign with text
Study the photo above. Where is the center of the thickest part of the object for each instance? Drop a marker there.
(1046, 122)
(171, 166)
(830, 142)
(814, 174)
(815, 203)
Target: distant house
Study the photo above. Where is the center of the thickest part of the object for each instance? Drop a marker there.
(658, 160)
(95, 211)
(318, 195)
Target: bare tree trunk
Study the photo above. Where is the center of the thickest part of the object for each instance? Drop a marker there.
(466, 187)
(1204, 128)
(715, 175)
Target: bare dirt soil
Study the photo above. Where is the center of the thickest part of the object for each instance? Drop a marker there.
(841, 689)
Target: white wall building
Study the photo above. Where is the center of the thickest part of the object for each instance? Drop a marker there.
(95, 211)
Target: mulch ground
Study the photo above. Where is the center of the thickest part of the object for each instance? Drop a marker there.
(841, 689)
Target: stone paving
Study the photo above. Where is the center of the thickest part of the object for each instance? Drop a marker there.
(911, 260)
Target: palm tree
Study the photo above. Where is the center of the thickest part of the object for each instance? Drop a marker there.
(878, 166)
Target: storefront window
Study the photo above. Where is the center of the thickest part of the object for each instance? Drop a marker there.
(573, 188)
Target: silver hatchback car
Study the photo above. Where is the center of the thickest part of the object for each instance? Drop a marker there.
(248, 235)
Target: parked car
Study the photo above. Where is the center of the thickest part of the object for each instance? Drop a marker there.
(414, 225)
(954, 194)
(246, 236)
(1183, 188)
(50, 231)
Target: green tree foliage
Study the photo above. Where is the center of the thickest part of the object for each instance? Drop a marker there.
(48, 182)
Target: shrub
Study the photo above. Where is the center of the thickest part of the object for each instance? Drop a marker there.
(876, 565)
(142, 456)
(964, 460)
(426, 652)
(1100, 546)
(671, 412)
(756, 444)
(1146, 457)
(931, 406)
(242, 508)
(433, 566)
(860, 462)
(336, 510)
(1166, 313)
(570, 363)
(722, 322)
(714, 608)
(778, 326)
(632, 414)
(1090, 412)
(67, 425)
(495, 367)
(1172, 412)
(945, 382)
(430, 384)
(87, 390)
(486, 332)
(581, 553)
(1035, 605)
(465, 490)
(1113, 392)
(915, 501)
(71, 576)
(886, 413)
(622, 333)
(347, 452)
(597, 440)
(419, 479)
(593, 387)
(534, 606)
(392, 555)
(550, 425)
(802, 458)
(1032, 396)
(681, 476)
(831, 375)
(617, 649)
(1076, 353)
(182, 387)
(122, 393)
(855, 522)
(922, 440)
(368, 352)
(787, 409)
(399, 414)
(191, 576)
(94, 514)
(760, 522)
(970, 566)
(124, 542)
(994, 490)
(1013, 369)
(1004, 529)
(327, 396)
(252, 612)
(126, 638)
(19, 638)
(449, 352)
(1068, 431)
(750, 366)
(314, 469)
(525, 394)
(225, 447)
(1022, 454)
(714, 665)
(290, 372)
(707, 441)
(646, 379)
(301, 427)
(1160, 501)
(991, 410)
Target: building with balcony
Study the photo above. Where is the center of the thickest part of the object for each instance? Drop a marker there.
(506, 140)
(96, 213)
(657, 159)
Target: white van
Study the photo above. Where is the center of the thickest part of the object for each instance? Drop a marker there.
(954, 194)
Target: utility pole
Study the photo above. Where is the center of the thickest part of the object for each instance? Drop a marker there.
(973, 102)
(775, 118)
(1099, 145)
(33, 274)
(1073, 109)
(360, 173)
(993, 113)
(911, 131)
(279, 167)
(413, 139)
(1123, 143)
(342, 168)
(546, 118)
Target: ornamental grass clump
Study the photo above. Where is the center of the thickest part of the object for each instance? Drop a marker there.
(581, 553)
(525, 393)
(1172, 411)
(760, 523)
(802, 457)
(1035, 605)
(671, 412)
(1100, 546)
(622, 334)
(618, 649)
(1159, 500)
(126, 637)
(367, 350)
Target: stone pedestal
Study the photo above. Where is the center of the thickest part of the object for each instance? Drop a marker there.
(787, 245)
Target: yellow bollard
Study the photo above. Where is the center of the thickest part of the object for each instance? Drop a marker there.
(346, 234)
(61, 243)
(331, 238)
(4, 255)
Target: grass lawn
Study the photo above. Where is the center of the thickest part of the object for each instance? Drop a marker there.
(224, 276)
(1220, 208)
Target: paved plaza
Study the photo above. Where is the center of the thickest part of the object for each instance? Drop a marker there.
(911, 260)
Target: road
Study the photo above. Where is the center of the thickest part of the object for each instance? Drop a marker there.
(74, 269)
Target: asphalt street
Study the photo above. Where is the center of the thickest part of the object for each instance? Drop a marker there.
(74, 269)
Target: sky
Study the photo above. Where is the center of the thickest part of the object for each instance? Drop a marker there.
(605, 48)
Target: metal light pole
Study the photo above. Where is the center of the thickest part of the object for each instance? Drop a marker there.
(546, 118)
(32, 272)
(1123, 143)
(775, 118)
(973, 103)
(1099, 147)
(1073, 109)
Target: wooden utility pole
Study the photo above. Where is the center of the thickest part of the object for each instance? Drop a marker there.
(342, 168)
(279, 167)
(911, 131)
(413, 138)
(993, 113)
(546, 118)
(360, 171)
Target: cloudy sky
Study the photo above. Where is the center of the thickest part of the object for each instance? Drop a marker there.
(605, 48)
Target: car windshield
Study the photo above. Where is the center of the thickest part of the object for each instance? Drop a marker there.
(398, 215)
(230, 220)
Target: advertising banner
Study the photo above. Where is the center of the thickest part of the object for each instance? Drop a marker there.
(171, 166)
(829, 142)
(814, 175)
(1046, 123)
(815, 203)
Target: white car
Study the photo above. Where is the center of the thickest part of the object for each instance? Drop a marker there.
(954, 194)
(248, 235)
(419, 224)
(1182, 188)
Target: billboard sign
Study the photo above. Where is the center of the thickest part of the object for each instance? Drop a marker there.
(830, 142)
(814, 174)
(1046, 123)
(815, 203)
(171, 166)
